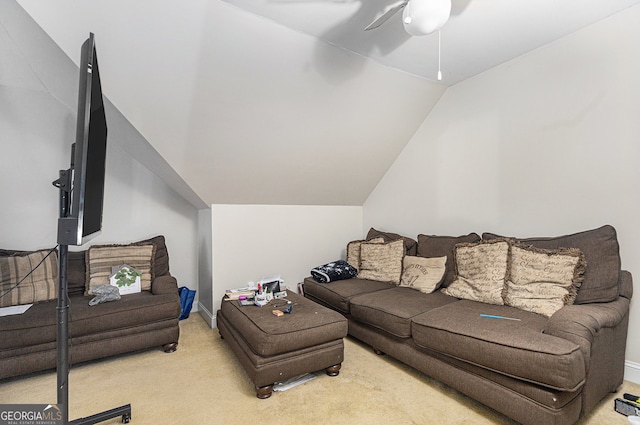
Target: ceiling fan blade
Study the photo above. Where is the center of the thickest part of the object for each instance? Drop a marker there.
(388, 13)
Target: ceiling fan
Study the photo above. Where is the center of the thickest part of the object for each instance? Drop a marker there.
(420, 17)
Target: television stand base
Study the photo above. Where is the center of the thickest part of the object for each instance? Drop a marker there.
(124, 411)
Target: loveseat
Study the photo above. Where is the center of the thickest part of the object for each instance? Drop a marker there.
(535, 366)
(134, 322)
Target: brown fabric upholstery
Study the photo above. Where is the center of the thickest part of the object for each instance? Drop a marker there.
(526, 403)
(267, 370)
(135, 322)
(339, 293)
(581, 323)
(308, 325)
(515, 348)
(602, 254)
(393, 310)
(538, 370)
(38, 324)
(161, 260)
(76, 272)
(410, 245)
(166, 284)
(440, 246)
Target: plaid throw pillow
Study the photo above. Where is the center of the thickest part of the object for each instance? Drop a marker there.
(40, 285)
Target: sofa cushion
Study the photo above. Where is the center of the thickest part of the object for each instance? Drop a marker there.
(602, 254)
(393, 310)
(423, 274)
(38, 324)
(161, 256)
(353, 251)
(481, 271)
(410, 245)
(76, 272)
(381, 261)
(516, 348)
(543, 281)
(338, 294)
(17, 286)
(441, 246)
(101, 259)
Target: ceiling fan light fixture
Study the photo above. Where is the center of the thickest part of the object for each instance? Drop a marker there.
(422, 17)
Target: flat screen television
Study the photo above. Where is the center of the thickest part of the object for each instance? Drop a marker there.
(84, 218)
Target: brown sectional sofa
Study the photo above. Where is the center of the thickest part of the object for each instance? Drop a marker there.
(536, 370)
(135, 322)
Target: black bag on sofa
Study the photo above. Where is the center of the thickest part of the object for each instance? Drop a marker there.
(336, 270)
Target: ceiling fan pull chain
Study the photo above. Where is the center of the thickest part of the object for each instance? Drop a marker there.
(439, 48)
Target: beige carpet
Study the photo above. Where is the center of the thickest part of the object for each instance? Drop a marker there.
(202, 383)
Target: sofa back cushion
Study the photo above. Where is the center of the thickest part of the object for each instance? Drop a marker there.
(161, 257)
(410, 245)
(602, 254)
(18, 287)
(76, 272)
(442, 246)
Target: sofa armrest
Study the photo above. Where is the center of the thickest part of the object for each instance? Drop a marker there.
(626, 284)
(165, 284)
(582, 323)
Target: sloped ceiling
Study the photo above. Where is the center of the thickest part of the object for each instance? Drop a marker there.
(249, 110)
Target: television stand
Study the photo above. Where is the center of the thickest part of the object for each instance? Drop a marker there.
(62, 321)
(124, 411)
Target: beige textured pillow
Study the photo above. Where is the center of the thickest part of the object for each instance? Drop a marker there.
(543, 281)
(381, 261)
(423, 274)
(41, 285)
(353, 251)
(481, 271)
(100, 259)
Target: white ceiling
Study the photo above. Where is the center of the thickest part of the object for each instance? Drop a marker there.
(479, 35)
(290, 101)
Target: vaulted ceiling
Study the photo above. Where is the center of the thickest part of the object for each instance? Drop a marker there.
(289, 101)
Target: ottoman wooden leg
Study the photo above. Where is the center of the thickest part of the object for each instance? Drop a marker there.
(264, 392)
(334, 370)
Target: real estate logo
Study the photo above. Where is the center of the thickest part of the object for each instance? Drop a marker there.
(30, 414)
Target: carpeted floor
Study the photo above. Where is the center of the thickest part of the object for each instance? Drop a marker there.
(202, 383)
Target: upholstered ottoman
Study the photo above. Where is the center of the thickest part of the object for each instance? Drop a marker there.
(272, 349)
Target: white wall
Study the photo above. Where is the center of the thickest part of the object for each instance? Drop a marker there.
(38, 96)
(546, 144)
(205, 265)
(255, 241)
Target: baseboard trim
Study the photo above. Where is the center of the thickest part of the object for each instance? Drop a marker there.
(632, 372)
(207, 316)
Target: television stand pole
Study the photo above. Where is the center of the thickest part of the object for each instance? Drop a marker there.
(62, 323)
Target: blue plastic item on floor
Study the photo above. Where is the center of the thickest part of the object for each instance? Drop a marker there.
(186, 301)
